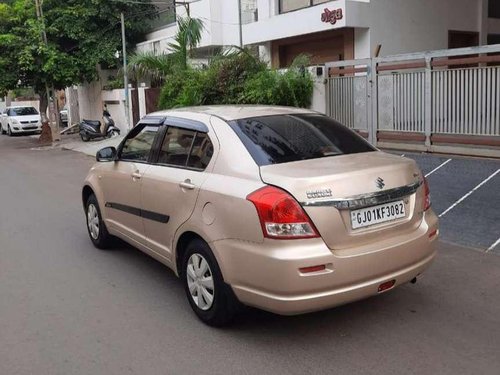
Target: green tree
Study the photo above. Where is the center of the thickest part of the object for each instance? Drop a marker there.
(187, 38)
(81, 35)
(149, 66)
(8, 43)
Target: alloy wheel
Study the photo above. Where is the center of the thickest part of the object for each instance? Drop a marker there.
(93, 221)
(200, 281)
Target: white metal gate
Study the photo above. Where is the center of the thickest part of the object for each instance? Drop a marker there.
(430, 98)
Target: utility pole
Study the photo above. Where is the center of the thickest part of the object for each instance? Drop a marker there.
(125, 73)
(39, 14)
(239, 23)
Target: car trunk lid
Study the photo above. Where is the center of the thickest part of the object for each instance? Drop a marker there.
(330, 188)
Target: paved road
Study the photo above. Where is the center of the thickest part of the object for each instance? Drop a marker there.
(67, 308)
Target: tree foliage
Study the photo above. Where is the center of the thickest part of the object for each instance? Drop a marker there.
(8, 42)
(81, 34)
(149, 66)
(186, 39)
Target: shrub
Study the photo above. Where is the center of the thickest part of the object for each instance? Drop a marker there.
(114, 83)
(237, 78)
(291, 88)
(181, 89)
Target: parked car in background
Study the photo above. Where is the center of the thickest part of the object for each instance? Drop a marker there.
(279, 208)
(63, 115)
(19, 119)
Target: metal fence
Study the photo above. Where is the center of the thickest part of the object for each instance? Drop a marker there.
(425, 97)
(466, 101)
(348, 101)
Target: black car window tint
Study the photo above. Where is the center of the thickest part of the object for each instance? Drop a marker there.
(287, 138)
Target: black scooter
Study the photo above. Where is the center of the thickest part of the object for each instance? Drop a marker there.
(92, 129)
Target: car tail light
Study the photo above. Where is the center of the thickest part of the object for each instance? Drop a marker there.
(280, 215)
(427, 195)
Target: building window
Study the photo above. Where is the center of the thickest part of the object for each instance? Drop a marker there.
(494, 9)
(290, 5)
(493, 39)
(249, 11)
(462, 39)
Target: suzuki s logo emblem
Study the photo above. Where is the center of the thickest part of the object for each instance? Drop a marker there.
(380, 183)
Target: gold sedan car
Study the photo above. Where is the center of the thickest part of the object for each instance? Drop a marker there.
(279, 208)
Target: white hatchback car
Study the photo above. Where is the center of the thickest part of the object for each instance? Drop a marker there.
(17, 120)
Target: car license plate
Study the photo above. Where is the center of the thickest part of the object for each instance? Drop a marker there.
(365, 217)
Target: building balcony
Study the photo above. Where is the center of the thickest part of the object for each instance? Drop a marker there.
(277, 21)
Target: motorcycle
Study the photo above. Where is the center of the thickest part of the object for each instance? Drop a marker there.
(92, 129)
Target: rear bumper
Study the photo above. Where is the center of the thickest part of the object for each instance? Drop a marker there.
(267, 275)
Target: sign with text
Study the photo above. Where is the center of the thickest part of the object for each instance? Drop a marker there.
(332, 16)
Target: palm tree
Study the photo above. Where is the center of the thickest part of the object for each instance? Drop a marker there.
(187, 38)
(147, 65)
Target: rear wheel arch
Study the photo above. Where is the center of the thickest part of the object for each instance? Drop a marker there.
(180, 247)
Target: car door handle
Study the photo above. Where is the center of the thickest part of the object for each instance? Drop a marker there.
(136, 175)
(187, 185)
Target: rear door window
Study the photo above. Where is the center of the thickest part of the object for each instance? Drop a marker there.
(201, 152)
(286, 138)
(176, 146)
(185, 148)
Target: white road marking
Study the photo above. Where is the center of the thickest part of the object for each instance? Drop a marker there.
(469, 193)
(438, 167)
(493, 246)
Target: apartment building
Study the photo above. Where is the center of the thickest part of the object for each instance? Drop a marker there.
(337, 29)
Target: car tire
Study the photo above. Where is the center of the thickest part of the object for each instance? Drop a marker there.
(1, 130)
(96, 227)
(207, 280)
(9, 131)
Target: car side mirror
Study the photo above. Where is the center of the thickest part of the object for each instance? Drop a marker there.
(106, 154)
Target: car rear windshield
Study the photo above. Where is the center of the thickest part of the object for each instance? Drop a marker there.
(286, 138)
(24, 111)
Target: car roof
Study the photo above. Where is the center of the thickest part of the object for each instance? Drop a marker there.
(20, 106)
(233, 112)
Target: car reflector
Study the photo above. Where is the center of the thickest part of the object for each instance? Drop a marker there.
(433, 233)
(387, 285)
(312, 269)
